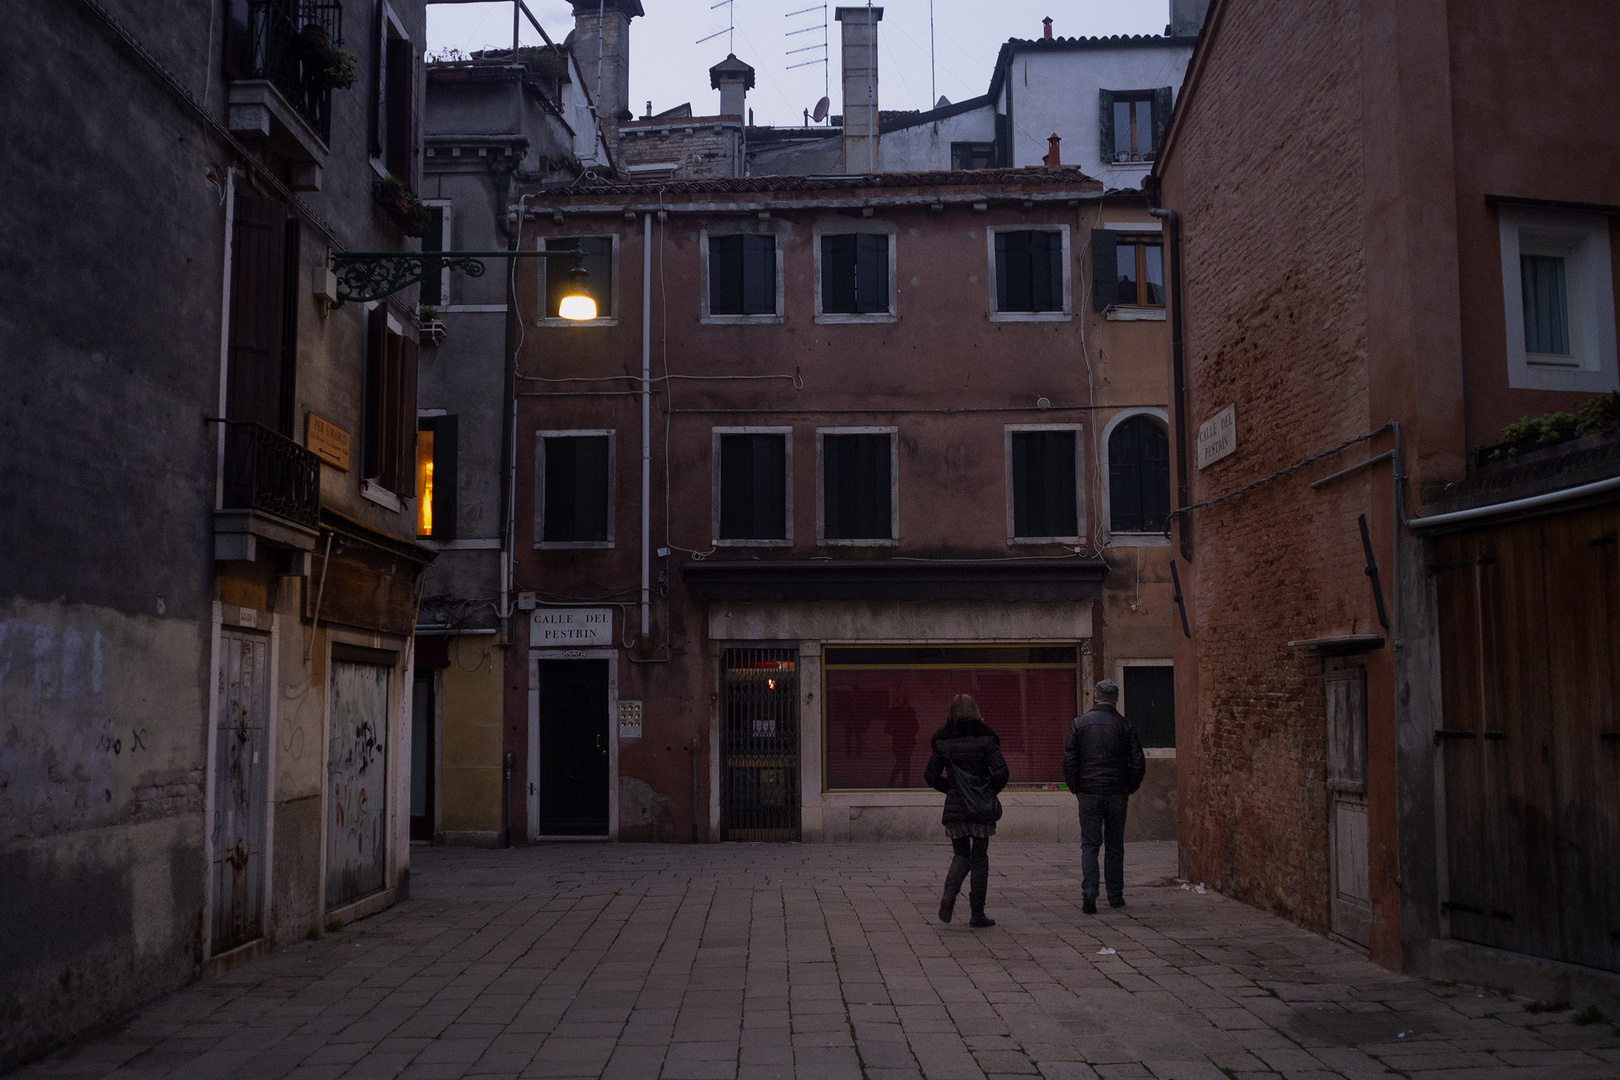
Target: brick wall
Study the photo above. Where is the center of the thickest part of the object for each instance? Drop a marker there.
(1266, 174)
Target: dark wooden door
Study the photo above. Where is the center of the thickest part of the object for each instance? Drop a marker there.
(1530, 647)
(573, 747)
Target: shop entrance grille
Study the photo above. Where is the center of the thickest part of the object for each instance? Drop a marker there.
(759, 765)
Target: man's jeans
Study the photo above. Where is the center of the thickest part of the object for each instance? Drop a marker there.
(1102, 819)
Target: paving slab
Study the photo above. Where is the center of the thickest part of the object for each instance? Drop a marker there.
(643, 962)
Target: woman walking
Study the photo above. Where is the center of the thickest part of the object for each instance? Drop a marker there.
(966, 764)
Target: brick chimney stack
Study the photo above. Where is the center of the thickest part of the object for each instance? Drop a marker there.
(602, 45)
(1052, 155)
(860, 54)
(1046, 28)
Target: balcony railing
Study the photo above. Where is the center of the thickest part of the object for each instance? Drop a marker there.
(290, 45)
(269, 472)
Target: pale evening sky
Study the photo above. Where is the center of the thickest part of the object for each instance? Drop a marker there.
(669, 66)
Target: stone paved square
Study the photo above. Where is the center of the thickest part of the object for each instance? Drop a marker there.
(823, 961)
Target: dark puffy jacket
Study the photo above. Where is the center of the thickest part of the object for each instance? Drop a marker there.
(1103, 756)
(972, 748)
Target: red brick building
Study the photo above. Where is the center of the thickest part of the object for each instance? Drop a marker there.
(1396, 698)
(833, 450)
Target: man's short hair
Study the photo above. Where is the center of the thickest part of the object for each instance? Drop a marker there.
(1107, 690)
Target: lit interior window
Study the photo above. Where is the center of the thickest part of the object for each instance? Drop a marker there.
(424, 483)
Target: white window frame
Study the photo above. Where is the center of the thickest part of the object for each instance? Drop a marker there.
(1583, 240)
(1126, 539)
(540, 438)
(1080, 516)
(996, 314)
(445, 245)
(1124, 707)
(894, 487)
(787, 437)
(838, 228)
(565, 265)
(709, 319)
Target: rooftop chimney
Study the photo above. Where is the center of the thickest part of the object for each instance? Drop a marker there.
(602, 50)
(1052, 155)
(733, 79)
(860, 57)
(1046, 28)
(1187, 17)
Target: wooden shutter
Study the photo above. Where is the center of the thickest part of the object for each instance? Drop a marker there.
(855, 487)
(872, 273)
(1125, 510)
(1104, 268)
(1044, 500)
(376, 363)
(1162, 102)
(1046, 271)
(759, 275)
(400, 99)
(576, 489)
(1155, 443)
(379, 83)
(291, 299)
(1105, 142)
(726, 275)
(405, 417)
(444, 477)
(838, 260)
(557, 275)
(258, 313)
(1014, 289)
(432, 292)
(753, 487)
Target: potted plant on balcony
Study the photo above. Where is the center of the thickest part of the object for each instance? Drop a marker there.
(410, 213)
(430, 331)
(325, 62)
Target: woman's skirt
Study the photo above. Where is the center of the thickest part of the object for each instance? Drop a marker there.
(956, 832)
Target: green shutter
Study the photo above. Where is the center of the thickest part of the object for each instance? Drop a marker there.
(1162, 104)
(1104, 268)
(1105, 143)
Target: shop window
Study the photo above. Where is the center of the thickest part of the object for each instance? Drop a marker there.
(436, 439)
(1148, 700)
(598, 264)
(753, 484)
(884, 703)
(855, 274)
(1138, 476)
(1030, 271)
(742, 275)
(1045, 495)
(857, 496)
(576, 496)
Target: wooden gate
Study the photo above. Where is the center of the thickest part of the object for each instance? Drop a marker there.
(1530, 676)
(240, 760)
(759, 766)
(1346, 692)
(357, 783)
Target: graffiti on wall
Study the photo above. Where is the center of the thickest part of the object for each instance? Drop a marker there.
(357, 783)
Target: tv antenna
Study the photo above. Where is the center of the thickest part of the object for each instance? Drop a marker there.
(731, 26)
(814, 46)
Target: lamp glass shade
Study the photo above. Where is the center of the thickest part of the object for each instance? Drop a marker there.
(577, 307)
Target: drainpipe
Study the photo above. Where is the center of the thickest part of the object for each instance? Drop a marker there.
(1178, 376)
(646, 432)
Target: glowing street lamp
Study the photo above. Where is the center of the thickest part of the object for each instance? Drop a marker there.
(576, 304)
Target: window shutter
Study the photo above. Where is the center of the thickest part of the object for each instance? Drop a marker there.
(1155, 475)
(405, 418)
(1046, 259)
(872, 273)
(855, 487)
(1162, 103)
(770, 487)
(431, 294)
(258, 269)
(397, 94)
(379, 85)
(1015, 284)
(1138, 476)
(1044, 501)
(838, 274)
(558, 514)
(725, 275)
(736, 487)
(1105, 141)
(556, 271)
(759, 275)
(238, 53)
(591, 488)
(445, 434)
(376, 362)
(292, 266)
(1104, 268)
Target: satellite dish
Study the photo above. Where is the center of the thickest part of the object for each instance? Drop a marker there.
(820, 113)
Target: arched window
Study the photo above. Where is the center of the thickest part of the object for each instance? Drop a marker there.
(1138, 475)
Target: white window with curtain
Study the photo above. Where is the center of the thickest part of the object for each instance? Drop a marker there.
(1557, 299)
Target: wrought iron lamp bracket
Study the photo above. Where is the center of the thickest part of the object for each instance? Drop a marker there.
(373, 275)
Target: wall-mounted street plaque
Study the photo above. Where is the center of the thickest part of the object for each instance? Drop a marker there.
(327, 441)
(570, 628)
(1217, 436)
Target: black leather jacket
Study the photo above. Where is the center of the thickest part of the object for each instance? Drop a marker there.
(976, 752)
(1103, 756)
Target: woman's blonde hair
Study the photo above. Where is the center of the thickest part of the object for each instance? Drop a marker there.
(963, 707)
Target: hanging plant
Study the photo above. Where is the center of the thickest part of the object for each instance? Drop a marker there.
(339, 69)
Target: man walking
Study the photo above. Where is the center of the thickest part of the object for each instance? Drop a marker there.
(1103, 765)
